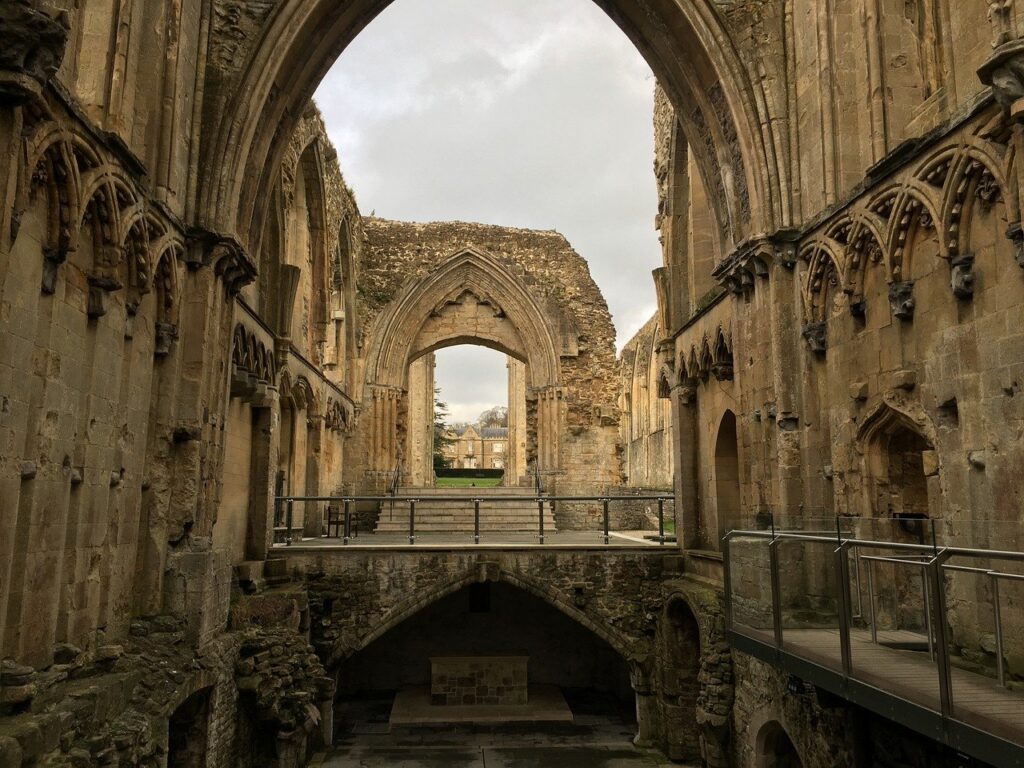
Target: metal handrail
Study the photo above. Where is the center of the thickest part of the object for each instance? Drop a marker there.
(933, 560)
(476, 499)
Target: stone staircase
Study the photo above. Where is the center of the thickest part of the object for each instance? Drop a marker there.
(438, 516)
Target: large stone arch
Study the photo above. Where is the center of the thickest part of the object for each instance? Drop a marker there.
(250, 111)
(431, 312)
(625, 646)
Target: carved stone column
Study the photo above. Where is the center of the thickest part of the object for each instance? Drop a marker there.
(646, 705)
(683, 397)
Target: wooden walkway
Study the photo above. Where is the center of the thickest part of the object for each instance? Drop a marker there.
(912, 675)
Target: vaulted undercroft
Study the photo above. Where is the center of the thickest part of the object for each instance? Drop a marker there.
(196, 319)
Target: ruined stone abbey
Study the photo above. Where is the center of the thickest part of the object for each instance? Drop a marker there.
(213, 368)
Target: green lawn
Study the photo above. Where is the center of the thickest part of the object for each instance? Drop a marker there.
(467, 482)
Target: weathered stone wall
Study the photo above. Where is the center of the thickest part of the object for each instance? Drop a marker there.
(645, 421)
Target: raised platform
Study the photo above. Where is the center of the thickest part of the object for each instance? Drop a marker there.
(546, 705)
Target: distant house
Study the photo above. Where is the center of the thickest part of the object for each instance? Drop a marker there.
(475, 447)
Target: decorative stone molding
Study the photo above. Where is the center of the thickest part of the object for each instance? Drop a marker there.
(753, 259)
(901, 300)
(32, 50)
(816, 337)
(229, 260)
(962, 276)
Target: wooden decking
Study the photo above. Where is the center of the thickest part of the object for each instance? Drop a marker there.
(912, 675)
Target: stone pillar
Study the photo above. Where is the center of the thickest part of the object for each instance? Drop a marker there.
(550, 420)
(312, 519)
(266, 432)
(327, 721)
(421, 421)
(515, 461)
(685, 457)
(646, 706)
(785, 336)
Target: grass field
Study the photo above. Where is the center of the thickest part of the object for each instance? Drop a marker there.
(467, 482)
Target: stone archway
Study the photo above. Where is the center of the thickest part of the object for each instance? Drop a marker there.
(471, 298)
(726, 111)
(775, 749)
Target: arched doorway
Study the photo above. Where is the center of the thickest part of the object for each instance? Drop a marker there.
(775, 749)
(680, 682)
(188, 732)
(896, 450)
(727, 476)
(473, 298)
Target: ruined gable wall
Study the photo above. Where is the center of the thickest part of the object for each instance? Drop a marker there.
(397, 253)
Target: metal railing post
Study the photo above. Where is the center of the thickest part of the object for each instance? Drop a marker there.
(607, 519)
(727, 581)
(938, 586)
(997, 610)
(661, 521)
(871, 601)
(843, 573)
(347, 516)
(288, 523)
(476, 521)
(412, 521)
(776, 587)
(540, 519)
(927, 614)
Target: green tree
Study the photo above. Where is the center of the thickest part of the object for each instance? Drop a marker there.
(441, 432)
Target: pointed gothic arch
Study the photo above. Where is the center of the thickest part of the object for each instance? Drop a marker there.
(725, 112)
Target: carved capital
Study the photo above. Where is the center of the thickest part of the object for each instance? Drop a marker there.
(31, 52)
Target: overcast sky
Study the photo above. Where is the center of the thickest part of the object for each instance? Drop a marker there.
(526, 113)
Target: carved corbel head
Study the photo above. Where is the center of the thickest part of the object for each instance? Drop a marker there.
(901, 300)
(815, 335)
(962, 276)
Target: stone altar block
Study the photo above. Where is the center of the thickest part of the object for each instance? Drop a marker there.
(478, 680)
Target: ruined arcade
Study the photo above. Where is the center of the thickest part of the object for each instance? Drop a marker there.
(782, 527)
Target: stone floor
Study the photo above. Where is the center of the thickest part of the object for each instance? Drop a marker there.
(535, 756)
(597, 738)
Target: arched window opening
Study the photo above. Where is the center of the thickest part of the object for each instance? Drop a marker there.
(727, 476)
(775, 749)
(188, 732)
